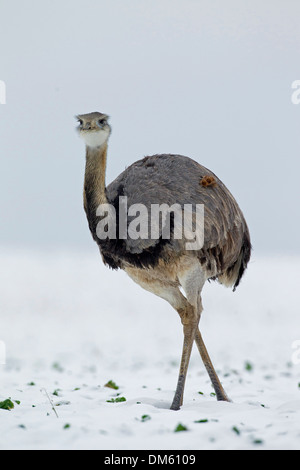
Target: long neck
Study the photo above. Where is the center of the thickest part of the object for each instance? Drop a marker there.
(94, 182)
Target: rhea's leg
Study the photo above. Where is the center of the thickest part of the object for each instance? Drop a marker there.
(190, 326)
(192, 281)
(189, 320)
(220, 392)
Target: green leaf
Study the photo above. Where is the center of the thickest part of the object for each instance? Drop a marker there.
(7, 404)
(180, 427)
(111, 384)
(116, 400)
(248, 366)
(145, 418)
(258, 441)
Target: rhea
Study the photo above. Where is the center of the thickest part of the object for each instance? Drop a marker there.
(164, 265)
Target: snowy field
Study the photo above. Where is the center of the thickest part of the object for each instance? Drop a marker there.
(70, 325)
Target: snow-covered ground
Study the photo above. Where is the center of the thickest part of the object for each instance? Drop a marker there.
(70, 325)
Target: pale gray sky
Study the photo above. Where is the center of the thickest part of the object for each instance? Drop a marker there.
(205, 78)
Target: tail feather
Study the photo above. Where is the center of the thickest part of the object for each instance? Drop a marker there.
(233, 275)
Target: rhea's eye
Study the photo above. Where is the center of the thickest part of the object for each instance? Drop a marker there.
(102, 122)
(80, 122)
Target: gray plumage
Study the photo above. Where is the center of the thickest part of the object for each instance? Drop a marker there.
(170, 179)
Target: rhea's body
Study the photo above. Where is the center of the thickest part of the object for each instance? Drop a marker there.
(163, 265)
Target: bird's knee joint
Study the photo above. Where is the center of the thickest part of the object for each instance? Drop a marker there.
(188, 316)
(185, 319)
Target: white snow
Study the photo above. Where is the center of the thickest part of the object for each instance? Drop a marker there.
(70, 325)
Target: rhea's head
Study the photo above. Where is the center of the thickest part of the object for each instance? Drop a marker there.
(93, 128)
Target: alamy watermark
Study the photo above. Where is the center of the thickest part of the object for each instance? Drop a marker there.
(295, 98)
(157, 221)
(2, 353)
(2, 92)
(296, 353)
